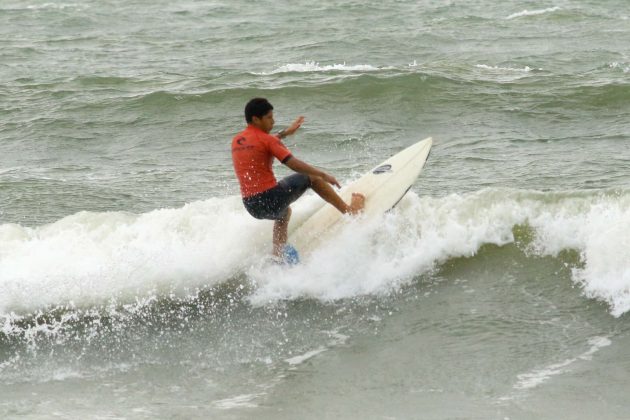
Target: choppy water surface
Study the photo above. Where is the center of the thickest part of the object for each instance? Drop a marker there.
(134, 285)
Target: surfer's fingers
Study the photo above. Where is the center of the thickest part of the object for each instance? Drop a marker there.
(331, 180)
(294, 127)
(298, 121)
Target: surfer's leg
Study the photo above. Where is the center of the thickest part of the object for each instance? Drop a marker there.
(274, 204)
(280, 229)
(326, 191)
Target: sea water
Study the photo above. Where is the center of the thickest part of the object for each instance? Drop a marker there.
(134, 285)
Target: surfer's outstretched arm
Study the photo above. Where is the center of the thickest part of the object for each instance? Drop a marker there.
(321, 183)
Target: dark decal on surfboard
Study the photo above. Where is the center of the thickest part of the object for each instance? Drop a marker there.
(382, 169)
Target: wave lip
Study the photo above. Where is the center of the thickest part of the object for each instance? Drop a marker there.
(532, 12)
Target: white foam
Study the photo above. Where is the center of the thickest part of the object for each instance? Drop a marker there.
(539, 376)
(525, 69)
(90, 258)
(533, 12)
(59, 6)
(312, 66)
(304, 357)
(337, 339)
(8, 362)
(244, 400)
(64, 374)
(378, 256)
(504, 74)
(621, 66)
(600, 229)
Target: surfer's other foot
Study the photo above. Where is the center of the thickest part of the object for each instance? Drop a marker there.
(357, 203)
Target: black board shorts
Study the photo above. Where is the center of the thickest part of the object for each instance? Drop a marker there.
(274, 203)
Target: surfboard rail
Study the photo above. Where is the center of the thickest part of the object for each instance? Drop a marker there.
(383, 186)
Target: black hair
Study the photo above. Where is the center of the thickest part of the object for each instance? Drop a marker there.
(257, 107)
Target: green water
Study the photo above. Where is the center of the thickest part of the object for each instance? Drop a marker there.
(133, 284)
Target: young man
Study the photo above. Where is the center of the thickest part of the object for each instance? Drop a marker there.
(253, 151)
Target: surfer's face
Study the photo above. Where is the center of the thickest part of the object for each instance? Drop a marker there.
(265, 123)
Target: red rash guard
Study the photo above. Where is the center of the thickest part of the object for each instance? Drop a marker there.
(253, 151)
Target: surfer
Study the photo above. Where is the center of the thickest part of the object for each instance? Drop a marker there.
(253, 151)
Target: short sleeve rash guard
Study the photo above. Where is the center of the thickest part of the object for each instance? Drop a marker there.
(253, 151)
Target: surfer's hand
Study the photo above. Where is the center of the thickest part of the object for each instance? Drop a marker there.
(294, 127)
(331, 180)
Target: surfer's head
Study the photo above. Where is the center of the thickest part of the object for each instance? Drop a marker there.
(259, 112)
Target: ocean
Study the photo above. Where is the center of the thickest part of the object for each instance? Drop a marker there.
(134, 285)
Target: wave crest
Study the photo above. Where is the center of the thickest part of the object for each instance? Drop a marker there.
(312, 66)
(533, 12)
(91, 258)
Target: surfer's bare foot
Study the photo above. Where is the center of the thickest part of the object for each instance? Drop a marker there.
(357, 203)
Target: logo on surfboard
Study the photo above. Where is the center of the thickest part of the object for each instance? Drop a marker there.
(382, 169)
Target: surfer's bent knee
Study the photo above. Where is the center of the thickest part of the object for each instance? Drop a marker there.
(285, 218)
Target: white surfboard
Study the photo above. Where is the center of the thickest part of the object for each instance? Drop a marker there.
(383, 187)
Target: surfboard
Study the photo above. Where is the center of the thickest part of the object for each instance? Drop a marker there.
(383, 186)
